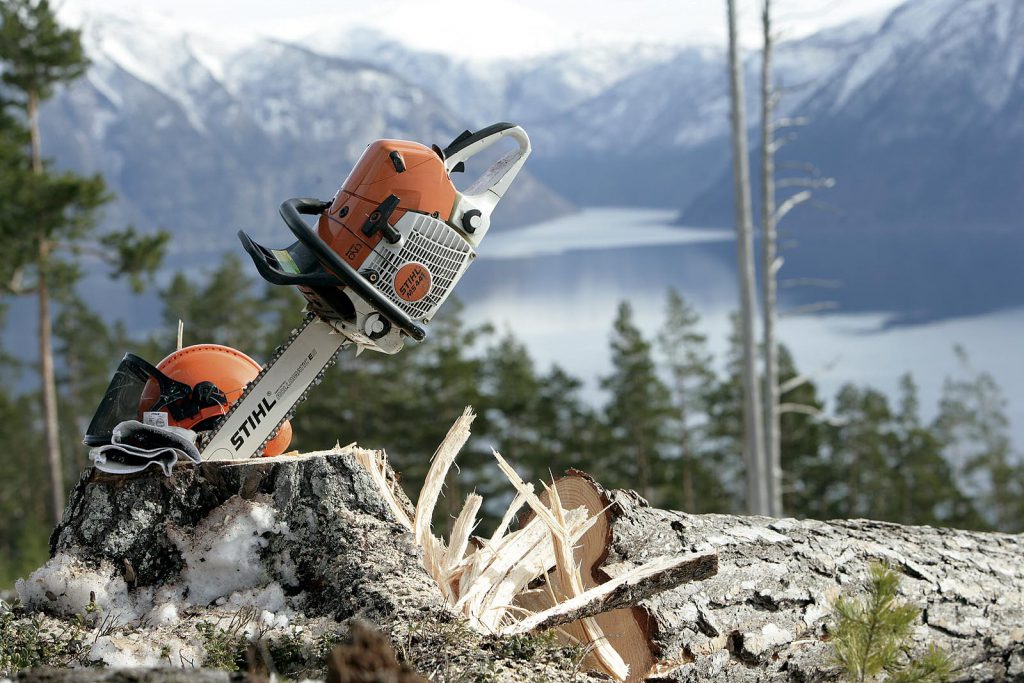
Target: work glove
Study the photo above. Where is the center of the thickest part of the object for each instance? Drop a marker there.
(134, 446)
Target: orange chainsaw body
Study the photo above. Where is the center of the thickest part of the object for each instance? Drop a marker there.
(408, 170)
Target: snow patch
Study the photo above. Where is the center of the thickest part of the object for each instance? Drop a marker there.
(164, 615)
(135, 651)
(222, 554)
(774, 636)
(122, 652)
(65, 585)
(270, 598)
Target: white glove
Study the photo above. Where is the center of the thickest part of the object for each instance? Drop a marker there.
(135, 446)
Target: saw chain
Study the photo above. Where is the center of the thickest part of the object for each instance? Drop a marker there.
(272, 397)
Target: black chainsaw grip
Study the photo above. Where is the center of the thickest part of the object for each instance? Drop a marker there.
(291, 211)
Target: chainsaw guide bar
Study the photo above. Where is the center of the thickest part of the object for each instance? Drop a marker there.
(310, 351)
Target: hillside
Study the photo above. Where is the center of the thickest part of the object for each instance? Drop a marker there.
(920, 125)
(203, 137)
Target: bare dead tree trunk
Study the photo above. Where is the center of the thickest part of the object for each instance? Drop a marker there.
(49, 388)
(769, 271)
(753, 433)
(47, 377)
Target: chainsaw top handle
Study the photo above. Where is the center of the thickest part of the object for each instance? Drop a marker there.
(290, 211)
(473, 207)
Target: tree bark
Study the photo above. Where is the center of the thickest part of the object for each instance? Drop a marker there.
(334, 549)
(49, 390)
(753, 431)
(769, 272)
(765, 615)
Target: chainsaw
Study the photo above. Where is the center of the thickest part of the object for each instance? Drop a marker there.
(384, 255)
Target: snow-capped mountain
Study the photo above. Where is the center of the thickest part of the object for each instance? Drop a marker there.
(199, 137)
(915, 111)
(920, 122)
(626, 121)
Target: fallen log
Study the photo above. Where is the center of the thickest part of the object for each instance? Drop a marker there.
(765, 616)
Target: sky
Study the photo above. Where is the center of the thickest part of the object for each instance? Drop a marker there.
(501, 28)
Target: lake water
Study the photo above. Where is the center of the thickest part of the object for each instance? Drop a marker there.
(557, 286)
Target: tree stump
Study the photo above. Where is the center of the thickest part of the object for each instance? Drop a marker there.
(282, 551)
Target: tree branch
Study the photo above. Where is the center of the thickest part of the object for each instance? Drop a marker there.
(811, 411)
(825, 206)
(805, 166)
(779, 143)
(791, 122)
(15, 286)
(811, 282)
(791, 203)
(89, 249)
(812, 183)
(810, 308)
(800, 408)
(800, 380)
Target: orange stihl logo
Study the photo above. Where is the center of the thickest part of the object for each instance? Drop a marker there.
(412, 282)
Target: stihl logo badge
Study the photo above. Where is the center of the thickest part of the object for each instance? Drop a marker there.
(412, 282)
(258, 413)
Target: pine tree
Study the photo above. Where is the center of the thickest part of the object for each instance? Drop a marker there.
(638, 410)
(512, 403)
(83, 370)
(723, 398)
(805, 473)
(688, 361)
(539, 422)
(860, 444)
(927, 488)
(224, 307)
(24, 514)
(886, 465)
(973, 426)
(58, 210)
(872, 635)
(572, 434)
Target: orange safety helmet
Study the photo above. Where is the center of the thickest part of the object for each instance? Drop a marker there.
(218, 376)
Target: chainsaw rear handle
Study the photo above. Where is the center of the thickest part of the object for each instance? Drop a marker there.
(291, 211)
(474, 206)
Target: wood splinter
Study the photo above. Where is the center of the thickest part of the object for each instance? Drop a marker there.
(612, 601)
(546, 574)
